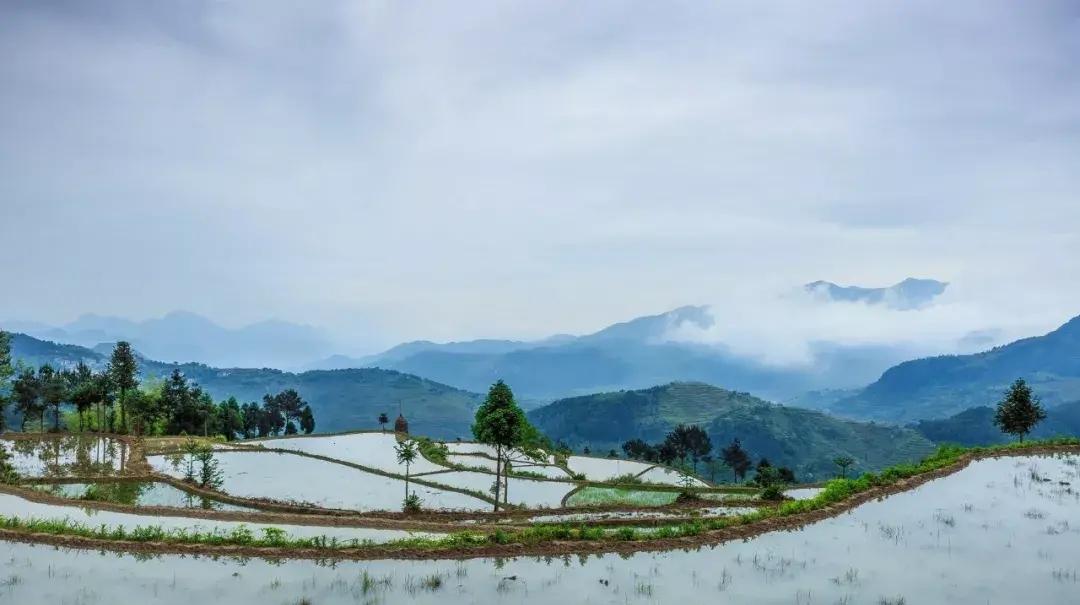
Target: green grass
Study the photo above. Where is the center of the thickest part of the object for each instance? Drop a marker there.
(598, 496)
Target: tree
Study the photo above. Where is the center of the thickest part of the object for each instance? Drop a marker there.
(230, 418)
(251, 415)
(688, 441)
(124, 372)
(383, 419)
(272, 414)
(290, 405)
(6, 372)
(144, 408)
(843, 462)
(736, 458)
(307, 420)
(637, 449)
(26, 391)
(501, 424)
(83, 391)
(1019, 411)
(406, 453)
(54, 391)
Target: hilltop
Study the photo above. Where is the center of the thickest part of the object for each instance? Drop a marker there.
(806, 440)
(937, 387)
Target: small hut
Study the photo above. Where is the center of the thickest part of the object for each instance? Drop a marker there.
(401, 425)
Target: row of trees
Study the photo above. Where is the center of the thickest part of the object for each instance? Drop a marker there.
(114, 400)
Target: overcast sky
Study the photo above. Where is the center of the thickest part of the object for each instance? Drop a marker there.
(393, 170)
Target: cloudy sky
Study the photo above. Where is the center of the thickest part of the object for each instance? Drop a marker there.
(393, 170)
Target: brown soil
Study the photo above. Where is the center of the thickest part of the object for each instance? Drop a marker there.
(552, 548)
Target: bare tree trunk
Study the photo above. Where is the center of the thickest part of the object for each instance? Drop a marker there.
(498, 473)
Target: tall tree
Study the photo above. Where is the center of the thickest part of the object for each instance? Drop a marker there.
(736, 458)
(383, 419)
(307, 420)
(83, 391)
(501, 424)
(1019, 411)
(26, 391)
(54, 391)
(291, 406)
(230, 418)
(124, 371)
(6, 372)
(251, 415)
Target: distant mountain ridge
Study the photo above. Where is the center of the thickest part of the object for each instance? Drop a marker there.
(975, 426)
(806, 440)
(937, 387)
(633, 354)
(341, 399)
(181, 335)
(906, 295)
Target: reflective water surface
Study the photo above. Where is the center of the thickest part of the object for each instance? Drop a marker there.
(1000, 532)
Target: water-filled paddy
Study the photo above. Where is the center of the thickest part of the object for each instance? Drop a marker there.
(373, 450)
(1001, 532)
(602, 469)
(14, 506)
(526, 492)
(667, 476)
(137, 493)
(290, 477)
(68, 456)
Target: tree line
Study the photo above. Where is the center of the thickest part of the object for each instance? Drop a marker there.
(114, 400)
(686, 446)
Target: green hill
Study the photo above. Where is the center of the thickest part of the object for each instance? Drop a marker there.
(937, 387)
(340, 399)
(805, 440)
(975, 426)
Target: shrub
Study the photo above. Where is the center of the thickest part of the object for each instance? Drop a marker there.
(411, 504)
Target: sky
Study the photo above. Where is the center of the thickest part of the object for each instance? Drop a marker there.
(396, 170)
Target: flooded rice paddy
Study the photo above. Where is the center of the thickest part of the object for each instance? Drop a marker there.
(602, 469)
(373, 450)
(527, 492)
(294, 478)
(14, 506)
(68, 456)
(1002, 531)
(137, 493)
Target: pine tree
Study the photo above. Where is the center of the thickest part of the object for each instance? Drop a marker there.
(123, 369)
(1019, 411)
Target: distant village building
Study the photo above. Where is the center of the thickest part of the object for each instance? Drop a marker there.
(401, 425)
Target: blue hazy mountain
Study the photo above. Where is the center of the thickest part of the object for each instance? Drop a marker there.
(634, 354)
(938, 387)
(909, 294)
(182, 335)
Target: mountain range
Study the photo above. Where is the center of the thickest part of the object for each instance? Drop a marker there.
(184, 336)
(628, 355)
(938, 387)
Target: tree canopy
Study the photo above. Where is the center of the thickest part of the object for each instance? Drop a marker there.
(1019, 410)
